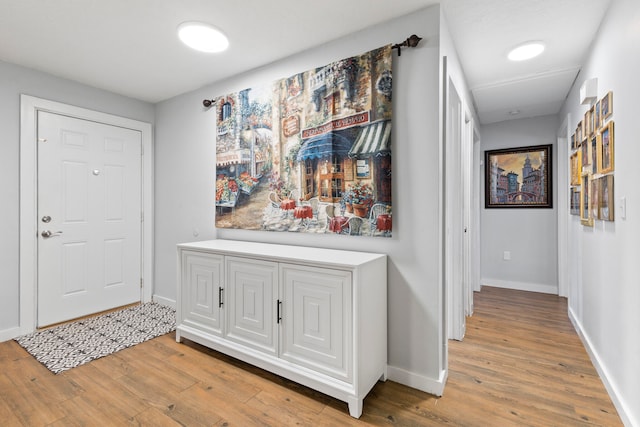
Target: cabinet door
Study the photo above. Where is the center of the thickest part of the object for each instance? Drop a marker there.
(201, 288)
(317, 319)
(251, 303)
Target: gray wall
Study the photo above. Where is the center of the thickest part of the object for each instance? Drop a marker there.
(15, 81)
(604, 288)
(185, 162)
(531, 235)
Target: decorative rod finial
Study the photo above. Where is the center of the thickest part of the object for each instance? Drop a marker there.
(413, 41)
(410, 42)
(208, 102)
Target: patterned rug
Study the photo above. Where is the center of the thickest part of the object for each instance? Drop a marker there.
(66, 346)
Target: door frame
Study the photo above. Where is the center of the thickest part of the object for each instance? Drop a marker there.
(29, 107)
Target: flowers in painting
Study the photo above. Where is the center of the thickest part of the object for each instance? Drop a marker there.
(279, 186)
(359, 194)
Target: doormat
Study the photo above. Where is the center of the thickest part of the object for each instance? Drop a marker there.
(73, 344)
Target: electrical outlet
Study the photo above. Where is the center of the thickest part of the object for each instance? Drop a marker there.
(507, 255)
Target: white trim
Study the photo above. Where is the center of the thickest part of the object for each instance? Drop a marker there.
(29, 106)
(420, 382)
(615, 396)
(562, 209)
(165, 301)
(521, 286)
(9, 334)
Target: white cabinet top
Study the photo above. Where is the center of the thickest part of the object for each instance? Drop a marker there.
(333, 257)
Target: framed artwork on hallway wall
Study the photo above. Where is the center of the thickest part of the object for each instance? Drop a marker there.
(585, 199)
(605, 149)
(519, 177)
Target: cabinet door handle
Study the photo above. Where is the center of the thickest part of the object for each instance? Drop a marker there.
(220, 303)
(278, 308)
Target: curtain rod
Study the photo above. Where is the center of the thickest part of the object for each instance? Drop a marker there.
(410, 42)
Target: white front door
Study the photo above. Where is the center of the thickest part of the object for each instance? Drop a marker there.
(89, 217)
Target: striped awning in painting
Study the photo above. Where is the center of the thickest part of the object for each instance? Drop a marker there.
(374, 138)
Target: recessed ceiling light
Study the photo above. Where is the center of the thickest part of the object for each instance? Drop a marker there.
(525, 51)
(514, 112)
(202, 37)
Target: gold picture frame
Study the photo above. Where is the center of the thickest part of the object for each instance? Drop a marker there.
(576, 167)
(585, 211)
(605, 148)
(594, 198)
(606, 107)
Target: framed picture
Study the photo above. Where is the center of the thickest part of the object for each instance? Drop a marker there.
(518, 177)
(584, 150)
(605, 149)
(593, 152)
(576, 167)
(606, 107)
(574, 201)
(585, 211)
(597, 116)
(588, 129)
(594, 204)
(573, 142)
(579, 133)
(606, 200)
(592, 121)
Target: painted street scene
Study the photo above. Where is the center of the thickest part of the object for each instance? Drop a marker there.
(310, 153)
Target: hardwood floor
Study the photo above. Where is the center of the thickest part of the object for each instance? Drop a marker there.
(520, 364)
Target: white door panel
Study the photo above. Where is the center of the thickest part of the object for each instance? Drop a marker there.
(89, 184)
(316, 319)
(251, 303)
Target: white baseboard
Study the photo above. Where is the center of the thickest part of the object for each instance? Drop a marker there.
(622, 408)
(420, 382)
(165, 301)
(9, 334)
(521, 286)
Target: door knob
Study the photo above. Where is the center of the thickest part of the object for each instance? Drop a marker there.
(47, 233)
(46, 218)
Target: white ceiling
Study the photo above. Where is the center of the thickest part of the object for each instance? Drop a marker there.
(130, 47)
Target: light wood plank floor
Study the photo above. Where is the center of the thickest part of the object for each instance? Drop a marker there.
(521, 364)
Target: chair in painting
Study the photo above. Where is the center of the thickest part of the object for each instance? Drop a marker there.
(274, 200)
(376, 209)
(315, 205)
(354, 226)
(330, 211)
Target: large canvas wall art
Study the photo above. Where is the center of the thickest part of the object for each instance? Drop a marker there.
(310, 153)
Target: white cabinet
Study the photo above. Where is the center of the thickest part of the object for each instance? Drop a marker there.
(315, 316)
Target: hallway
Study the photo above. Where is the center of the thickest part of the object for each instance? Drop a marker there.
(522, 363)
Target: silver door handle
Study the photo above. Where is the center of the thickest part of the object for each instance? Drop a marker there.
(46, 234)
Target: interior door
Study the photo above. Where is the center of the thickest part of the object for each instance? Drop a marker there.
(89, 217)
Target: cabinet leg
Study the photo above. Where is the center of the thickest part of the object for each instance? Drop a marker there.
(178, 337)
(355, 407)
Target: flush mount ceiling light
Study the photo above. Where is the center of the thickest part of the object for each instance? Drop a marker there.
(202, 37)
(526, 51)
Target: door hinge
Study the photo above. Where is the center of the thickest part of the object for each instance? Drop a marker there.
(141, 283)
